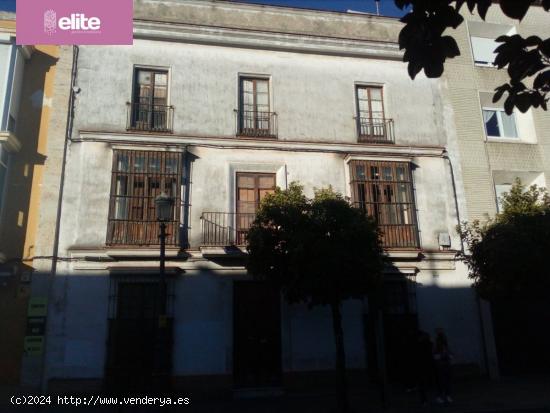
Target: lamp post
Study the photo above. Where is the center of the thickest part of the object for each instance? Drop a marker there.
(163, 205)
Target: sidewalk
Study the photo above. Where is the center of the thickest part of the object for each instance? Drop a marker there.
(472, 396)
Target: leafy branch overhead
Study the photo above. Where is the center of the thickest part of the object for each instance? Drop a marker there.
(527, 60)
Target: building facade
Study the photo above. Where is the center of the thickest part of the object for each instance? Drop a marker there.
(26, 82)
(495, 149)
(216, 104)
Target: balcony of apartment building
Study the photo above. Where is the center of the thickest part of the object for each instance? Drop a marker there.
(149, 110)
(372, 124)
(383, 190)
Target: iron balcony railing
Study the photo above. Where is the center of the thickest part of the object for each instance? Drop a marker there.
(375, 130)
(149, 117)
(225, 228)
(256, 124)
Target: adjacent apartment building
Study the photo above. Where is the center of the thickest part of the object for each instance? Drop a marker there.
(26, 82)
(494, 150)
(217, 104)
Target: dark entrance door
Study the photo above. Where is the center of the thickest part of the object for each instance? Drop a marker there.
(257, 335)
(132, 344)
(400, 326)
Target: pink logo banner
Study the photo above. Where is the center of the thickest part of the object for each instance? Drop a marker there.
(74, 22)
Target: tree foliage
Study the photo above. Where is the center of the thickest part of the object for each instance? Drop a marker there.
(318, 251)
(507, 254)
(527, 60)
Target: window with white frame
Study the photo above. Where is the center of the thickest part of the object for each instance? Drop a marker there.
(498, 124)
(483, 50)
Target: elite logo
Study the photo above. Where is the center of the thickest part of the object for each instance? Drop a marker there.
(76, 21)
(50, 22)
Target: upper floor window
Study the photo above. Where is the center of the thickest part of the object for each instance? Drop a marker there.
(372, 124)
(385, 191)
(149, 110)
(483, 50)
(138, 177)
(255, 117)
(482, 38)
(498, 124)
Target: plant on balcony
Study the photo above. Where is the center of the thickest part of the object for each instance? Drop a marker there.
(318, 251)
(507, 254)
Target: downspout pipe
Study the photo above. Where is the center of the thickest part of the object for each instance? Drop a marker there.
(462, 250)
(55, 251)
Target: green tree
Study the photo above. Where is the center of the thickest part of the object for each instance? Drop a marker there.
(507, 254)
(527, 60)
(318, 251)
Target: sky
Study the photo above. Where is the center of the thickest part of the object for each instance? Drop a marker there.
(387, 7)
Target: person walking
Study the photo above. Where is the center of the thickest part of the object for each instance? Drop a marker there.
(424, 365)
(443, 358)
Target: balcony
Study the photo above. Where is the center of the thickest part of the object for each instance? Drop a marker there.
(145, 117)
(225, 228)
(256, 124)
(375, 130)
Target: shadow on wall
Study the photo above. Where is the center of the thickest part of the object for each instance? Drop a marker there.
(104, 327)
(31, 133)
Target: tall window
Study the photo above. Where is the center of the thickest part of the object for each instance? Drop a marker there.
(370, 110)
(251, 189)
(499, 124)
(149, 110)
(255, 116)
(138, 177)
(385, 191)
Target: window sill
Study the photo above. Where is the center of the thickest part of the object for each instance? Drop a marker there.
(486, 66)
(508, 140)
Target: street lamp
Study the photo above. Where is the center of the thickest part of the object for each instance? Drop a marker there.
(163, 205)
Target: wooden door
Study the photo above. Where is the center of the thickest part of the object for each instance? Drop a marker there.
(251, 189)
(257, 335)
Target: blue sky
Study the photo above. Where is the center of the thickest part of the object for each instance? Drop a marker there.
(387, 7)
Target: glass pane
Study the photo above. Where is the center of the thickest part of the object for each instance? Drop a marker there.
(376, 94)
(139, 163)
(362, 93)
(360, 172)
(154, 165)
(245, 181)
(509, 125)
(247, 86)
(122, 163)
(267, 182)
(144, 78)
(400, 173)
(171, 165)
(374, 172)
(262, 99)
(262, 86)
(387, 172)
(377, 106)
(491, 123)
(161, 79)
